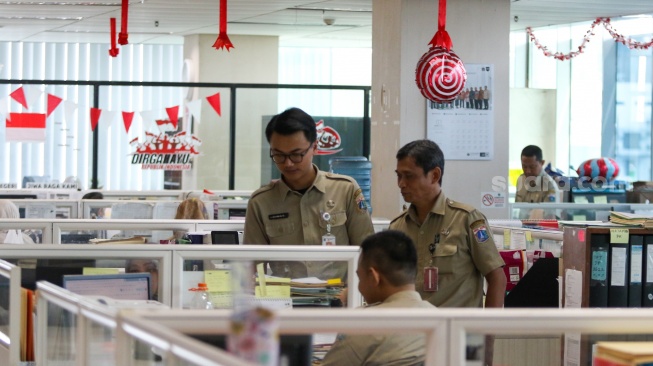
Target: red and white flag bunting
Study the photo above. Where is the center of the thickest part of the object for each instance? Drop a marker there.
(25, 127)
(195, 109)
(29, 96)
(69, 109)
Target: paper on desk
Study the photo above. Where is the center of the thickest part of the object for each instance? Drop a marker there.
(277, 279)
(309, 280)
(218, 281)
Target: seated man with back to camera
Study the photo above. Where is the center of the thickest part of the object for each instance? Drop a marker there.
(306, 206)
(386, 270)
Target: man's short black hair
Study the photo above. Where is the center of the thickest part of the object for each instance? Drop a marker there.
(393, 254)
(290, 121)
(93, 196)
(532, 150)
(426, 153)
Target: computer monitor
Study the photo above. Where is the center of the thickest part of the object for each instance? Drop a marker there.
(224, 237)
(52, 273)
(119, 286)
(77, 238)
(294, 349)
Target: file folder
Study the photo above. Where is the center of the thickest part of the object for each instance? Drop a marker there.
(647, 275)
(635, 273)
(598, 287)
(618, 277)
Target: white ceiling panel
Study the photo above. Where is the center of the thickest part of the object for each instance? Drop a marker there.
(294, 21)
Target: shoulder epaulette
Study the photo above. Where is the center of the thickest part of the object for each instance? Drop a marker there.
(264, 188)
(404, 213)
(335, 176)
(460, 205)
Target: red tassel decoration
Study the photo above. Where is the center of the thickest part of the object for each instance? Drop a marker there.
(223, 39)
(441, 37)
(113, 51)
(122, 37)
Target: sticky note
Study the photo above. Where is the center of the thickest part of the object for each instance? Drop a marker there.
(273, 291)
(506, 238)
(618, 236)
(218, 281)
(334, 281)
(529, 236)
(100, 271)
(600, 199)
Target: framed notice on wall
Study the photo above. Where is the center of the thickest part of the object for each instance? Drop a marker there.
(464, 128)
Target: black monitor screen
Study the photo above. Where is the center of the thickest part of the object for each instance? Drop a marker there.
(294, 349)
(224, 237)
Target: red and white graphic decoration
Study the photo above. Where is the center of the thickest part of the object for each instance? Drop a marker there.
(25, 127)
(328, 139)
(165, 152)
(440, 74)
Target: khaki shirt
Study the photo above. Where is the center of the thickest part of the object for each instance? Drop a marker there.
(537, 189)
(464, 254)
(278, 215)
(382, 349)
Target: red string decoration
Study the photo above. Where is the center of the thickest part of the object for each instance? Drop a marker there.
(223, 39)
(620, 38)
(113, 51)
(122, 37)
(440, 74)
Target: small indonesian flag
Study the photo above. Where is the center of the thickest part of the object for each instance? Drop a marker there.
(25, 127)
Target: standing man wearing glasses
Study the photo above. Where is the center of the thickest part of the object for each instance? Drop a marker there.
(306, 206)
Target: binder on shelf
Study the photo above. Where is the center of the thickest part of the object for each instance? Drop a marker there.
(598, 284)
(618, 276)
(635, 273)
(647, 275)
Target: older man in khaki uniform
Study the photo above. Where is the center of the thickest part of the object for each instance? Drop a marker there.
(306, 206)
(386, 270)
(535, 185)
(455, 248)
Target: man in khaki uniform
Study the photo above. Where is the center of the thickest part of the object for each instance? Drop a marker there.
(455, 249)
(535, 185)
(386, 269)
(306, 206)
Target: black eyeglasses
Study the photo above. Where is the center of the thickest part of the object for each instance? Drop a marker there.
(294, 157)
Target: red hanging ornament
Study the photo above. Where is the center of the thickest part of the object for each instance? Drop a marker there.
(122, 37)
(113, 51)
(440, 74)
(223, 39)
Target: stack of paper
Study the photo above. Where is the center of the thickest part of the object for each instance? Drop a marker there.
(312, 291)
(632, 219)
(623, 354)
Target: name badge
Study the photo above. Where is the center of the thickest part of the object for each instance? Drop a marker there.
(278, 216)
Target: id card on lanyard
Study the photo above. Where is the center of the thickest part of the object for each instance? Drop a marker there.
(431, 272)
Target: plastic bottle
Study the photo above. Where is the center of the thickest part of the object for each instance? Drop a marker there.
(201, 298)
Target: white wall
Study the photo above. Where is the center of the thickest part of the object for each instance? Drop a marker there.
(401, 31)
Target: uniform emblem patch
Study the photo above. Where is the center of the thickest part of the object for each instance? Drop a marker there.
(481, 234)
(360, 200)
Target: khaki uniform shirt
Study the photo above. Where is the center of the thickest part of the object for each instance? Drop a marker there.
(464, 253)
(382, 349)
(538, 189)
(278, 215)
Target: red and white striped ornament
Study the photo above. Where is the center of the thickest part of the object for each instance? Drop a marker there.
(440, 75)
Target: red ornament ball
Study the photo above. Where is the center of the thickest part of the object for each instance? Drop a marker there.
(440, 75)
(601, 167)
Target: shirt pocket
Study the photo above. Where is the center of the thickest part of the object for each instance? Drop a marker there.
(444, 256)
(338, 218)
(279, 230)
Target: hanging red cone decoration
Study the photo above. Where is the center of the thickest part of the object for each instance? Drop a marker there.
(122, 37)
(440, 74)
(223, 39)
(113, 51)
